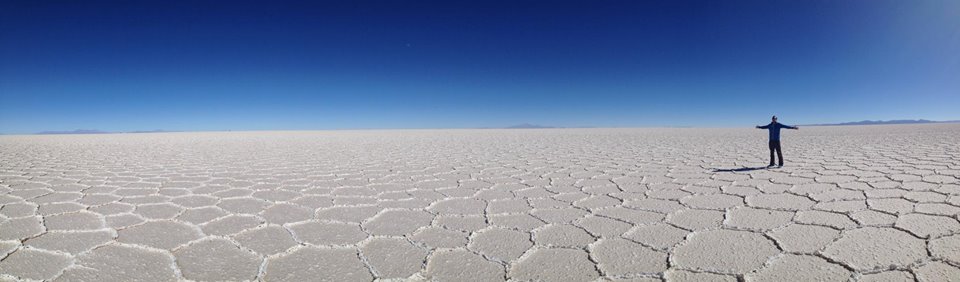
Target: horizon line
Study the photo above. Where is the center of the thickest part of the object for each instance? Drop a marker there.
(100, 132)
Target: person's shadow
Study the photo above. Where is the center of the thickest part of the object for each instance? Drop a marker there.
(742, 169)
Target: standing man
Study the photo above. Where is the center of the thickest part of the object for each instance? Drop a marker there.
(774, 128)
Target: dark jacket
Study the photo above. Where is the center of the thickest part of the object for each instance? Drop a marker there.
(774, 128)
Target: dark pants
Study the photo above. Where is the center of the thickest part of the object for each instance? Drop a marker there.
(775, 146)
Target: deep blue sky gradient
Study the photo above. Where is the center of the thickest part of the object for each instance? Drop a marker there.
(237, 65)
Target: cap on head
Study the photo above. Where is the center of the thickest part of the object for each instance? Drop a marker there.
(774, 118)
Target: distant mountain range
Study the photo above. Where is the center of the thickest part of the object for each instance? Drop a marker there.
(863, 122)
(96, 131)
(878, 122)
(527, 125)
(536, 126)
(77, 131)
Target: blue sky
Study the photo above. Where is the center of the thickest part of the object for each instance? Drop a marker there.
(238, 65)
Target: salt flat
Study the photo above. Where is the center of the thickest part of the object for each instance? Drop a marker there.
(861, 203)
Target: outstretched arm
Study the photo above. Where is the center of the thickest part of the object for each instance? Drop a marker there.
(790, 127)
(763, 126)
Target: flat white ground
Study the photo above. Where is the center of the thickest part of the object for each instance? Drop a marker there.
(865, 203)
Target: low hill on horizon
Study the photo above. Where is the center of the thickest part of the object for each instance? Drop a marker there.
(525, 126)
(75, 131)
(528, 125)
(95, 131)
(880, 122)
